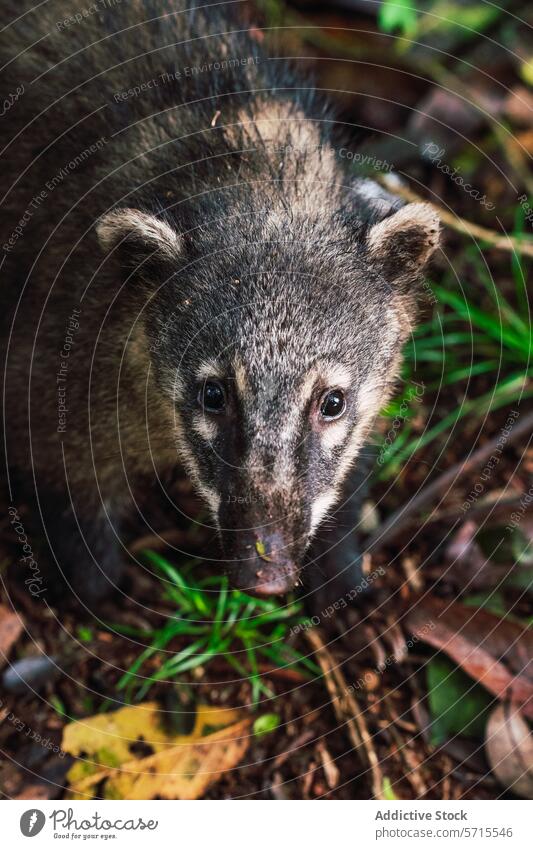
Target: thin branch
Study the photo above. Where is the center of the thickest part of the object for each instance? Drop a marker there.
(461, 225)
(403, 517)
(347, 709)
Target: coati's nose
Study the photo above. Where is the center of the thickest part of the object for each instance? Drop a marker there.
(266, 567)
(274, 582)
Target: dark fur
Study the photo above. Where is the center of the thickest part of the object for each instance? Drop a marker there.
(270, 263)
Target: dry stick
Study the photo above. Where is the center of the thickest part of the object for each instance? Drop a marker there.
(346, 709)
(461, 225)
(494, 507)
(402, 517)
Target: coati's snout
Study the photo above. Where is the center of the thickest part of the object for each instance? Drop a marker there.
(264, 535)
(277, 471)
(261, 561)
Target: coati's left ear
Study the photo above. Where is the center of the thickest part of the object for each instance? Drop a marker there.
(403, 243)
(139, 240)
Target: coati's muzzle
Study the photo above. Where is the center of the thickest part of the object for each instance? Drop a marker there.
(263, 556)
(259, 562)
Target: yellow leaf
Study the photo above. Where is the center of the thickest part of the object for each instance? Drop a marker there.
(132, 753)
(526, 72)
(261, 550)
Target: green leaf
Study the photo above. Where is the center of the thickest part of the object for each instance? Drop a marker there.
(58, 705)
(505, 392)
(397, 14)
(526, 72)
(265, 724)
(522, 548)
(490, 600)
(457, 704)
(519, 264)
(495, 602)
(388, 792)
(477, 16)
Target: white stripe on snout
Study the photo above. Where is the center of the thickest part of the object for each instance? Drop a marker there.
(320, 507)
(211, 497)
(188, 459)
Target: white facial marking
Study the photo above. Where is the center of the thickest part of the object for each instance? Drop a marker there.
(204, 427)
(191, 467)
(370, 399)
(178, 387)
(241, 379)
(173, 385)
(334, 433)
(321, 506)
(335, 375)
(209, 368)
(211, 497)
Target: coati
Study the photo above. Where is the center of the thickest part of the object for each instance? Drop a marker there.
(190, 276)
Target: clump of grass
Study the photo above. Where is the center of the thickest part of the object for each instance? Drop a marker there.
(475, 331)
(214, 621)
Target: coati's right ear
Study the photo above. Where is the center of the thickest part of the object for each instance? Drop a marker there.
(403, 243)
(138, 240)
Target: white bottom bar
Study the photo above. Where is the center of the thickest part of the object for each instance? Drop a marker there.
(251, 825)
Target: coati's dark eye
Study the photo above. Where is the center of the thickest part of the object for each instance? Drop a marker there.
(212, 396)
(332, 405)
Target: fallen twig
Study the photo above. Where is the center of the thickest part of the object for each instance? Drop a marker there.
(331, 770)
(302, 740)
(347, 710)
(461, 225)
(402, 517)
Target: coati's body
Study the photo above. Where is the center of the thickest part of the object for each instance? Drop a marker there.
(174, 213)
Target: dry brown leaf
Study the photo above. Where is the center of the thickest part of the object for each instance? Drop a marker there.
(509, 746)
(130, 750)
(488, 648)
(10, 630)
(468, 564)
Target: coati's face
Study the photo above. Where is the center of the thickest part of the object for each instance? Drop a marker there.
(276, 356)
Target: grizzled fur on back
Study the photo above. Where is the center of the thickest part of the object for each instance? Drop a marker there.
(173, 206)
